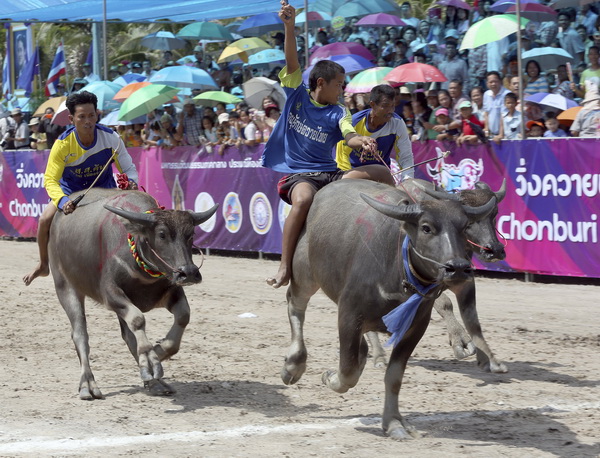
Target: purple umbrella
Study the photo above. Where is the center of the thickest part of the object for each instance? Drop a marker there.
(260, 24)
(552, 100)
(342, 47)
(351, 63)
(381, 20)
(456, 4)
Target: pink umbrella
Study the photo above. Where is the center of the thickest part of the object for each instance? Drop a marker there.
(534, 11)
(415, 73)
(381, 20)
(342, 47)
(456, 4)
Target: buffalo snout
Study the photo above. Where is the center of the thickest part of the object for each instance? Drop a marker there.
(457, 269)
(493, 252)
(187, 275)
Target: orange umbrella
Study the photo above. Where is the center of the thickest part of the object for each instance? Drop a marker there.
(568, 116)
(126, 91)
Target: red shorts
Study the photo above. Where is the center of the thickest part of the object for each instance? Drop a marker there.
(317, 180)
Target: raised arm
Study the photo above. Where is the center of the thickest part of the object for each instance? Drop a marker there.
(287, 14)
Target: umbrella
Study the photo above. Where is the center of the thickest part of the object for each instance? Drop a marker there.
(534, 11)
(415, 73)
(315, 19)
(211, 98)
(358, 8)
(351, 63)
(559, 4)
(260, 24)
(552, 100)
(548, 57)
(145, 100)
(342, 47)
(456, 4)
(61, 116)
(368, 79)
(568, 116)
(163, 41)
(328, 6)
(256, 89)
(53, 103)
(500, 6)
(184, 77)
(126, 91)
(124, 80)
(112, 119)
(243, 47)
(205, 31)
(491, 29)
(104, 91)
(190, 59)
(381, 20)
(268, 57)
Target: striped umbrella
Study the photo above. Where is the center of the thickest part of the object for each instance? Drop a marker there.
(368, 79)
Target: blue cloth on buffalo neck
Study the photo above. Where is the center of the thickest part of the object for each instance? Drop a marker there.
(399, 320)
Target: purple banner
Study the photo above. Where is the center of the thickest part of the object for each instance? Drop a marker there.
(549, 215)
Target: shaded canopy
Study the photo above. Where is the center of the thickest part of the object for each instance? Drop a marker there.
(133, 10)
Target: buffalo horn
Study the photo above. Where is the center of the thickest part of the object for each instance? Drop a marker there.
(441, 195)
(501, 193)
(478, 213)
(409, 213)
(134, 217)
(200, 217)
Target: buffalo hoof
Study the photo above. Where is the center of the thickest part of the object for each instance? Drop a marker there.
(89, 392)
(332, 380)
(159, 388)
(462, 352)
(293, 369)
(496, 367)
(399, 432)
(380, 362)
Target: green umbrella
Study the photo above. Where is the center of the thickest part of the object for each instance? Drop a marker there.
(205, 31)
(145, 100)
(368, 79)
(491, 29)
(211, 98)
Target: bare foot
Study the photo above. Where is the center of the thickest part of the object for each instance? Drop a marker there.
(281, 279)
(39, 271)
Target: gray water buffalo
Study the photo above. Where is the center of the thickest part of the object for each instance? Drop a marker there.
(351, 250)
(120, 250)
(482, 239)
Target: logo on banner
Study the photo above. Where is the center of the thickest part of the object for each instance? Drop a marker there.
(204, 201)
(282, 212)
(232, 212)
(454, 177)
(261, 213)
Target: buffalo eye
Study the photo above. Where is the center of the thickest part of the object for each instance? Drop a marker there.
(162, 235)
(426, 228)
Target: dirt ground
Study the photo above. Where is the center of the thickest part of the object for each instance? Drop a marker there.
(231, 402)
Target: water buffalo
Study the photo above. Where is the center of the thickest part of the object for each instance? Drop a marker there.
(484, 242)
(120, 250)
(351, 250)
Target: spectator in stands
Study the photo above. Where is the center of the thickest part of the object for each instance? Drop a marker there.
(147, 70)
(588, 18)
(400, 57)
(587, 121)
(37, 141)
(553, 129)
(189, 123)
(583, 34)
(20, 137)
(451, 20)
(408, 34)
(422, 127)
(568, 37)
(407, 16)
(453, 67)
(88, 75)
(168, 132)
(477, 66)
(455, 89)
(252, 134)
(151, 136)
(477, 102)
(462, 23)
(442, 126)
(535, 129)
(563, 85)
(536, 82)
(471, 126)
(493, 103)
(433, 101)
(52, 131)
(510, 128)
(591, 71)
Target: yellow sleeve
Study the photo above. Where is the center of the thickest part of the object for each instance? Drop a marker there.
(54, 172)
(346, 126)
(342, 155)
(290, 80)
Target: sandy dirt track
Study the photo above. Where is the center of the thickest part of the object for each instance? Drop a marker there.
(230, 400)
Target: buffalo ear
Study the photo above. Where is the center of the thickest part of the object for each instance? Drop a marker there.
(200, 217)
(409, 213)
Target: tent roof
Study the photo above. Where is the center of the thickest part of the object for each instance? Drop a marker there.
(133, 10)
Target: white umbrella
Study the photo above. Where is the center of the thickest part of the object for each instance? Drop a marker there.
(256, 89)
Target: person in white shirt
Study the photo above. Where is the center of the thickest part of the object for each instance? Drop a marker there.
(88, 75)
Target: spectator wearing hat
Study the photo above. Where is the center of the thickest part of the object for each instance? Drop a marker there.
(223, 131)
(442, 118)
(37, 140)
(510, 128)
(8, 127)
(88, 75)
(453, 67)
(21, 133)
(189, 125)
(535, 129)
(168, 132)
(147, 69)
(136, 67)
(113, 73)
(123, 67)
(78, 84)
(471, 126)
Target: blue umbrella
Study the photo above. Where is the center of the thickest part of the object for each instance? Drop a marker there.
(548, 57)
(269, 58)
(358, 8)
(351, 63)
(124, 80)
(112, 119)
(163, 41)
(260, 25)
(184, 77)
(552, 100)
(104, 91)
(191, 58)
